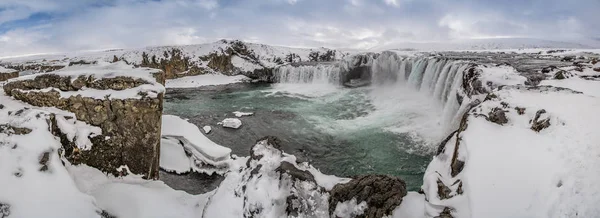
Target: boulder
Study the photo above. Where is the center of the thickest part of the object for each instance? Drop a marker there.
(382, 193)
(537, 124)
(498, 116)
(562, 74)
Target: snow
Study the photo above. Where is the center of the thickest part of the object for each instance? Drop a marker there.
(29, 191)
(555, 169)
(134, 197)
(173, 158)
(244, 64)
(204, 80)
(6, 70)
(105, 70)
(412, 206)
(207, 129)
(551, 173)
(350, 208)
(78, 131)
(252, 188)
(588, 87)
(231, 123)
(210, 152)
(505, 75)
(241, 114)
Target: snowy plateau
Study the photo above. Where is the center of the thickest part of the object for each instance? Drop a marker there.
(84, 134)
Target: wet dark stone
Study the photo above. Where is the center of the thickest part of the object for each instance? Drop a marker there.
(382, 193)
(498, 116)
(4, 210)
(294, 172)
(193, 183)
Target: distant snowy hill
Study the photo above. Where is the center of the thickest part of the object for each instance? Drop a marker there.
(488, 44)
(229, 57)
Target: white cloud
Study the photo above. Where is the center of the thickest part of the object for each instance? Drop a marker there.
(97, 24)
(394, 3)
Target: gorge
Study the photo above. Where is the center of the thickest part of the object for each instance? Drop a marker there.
(489, 119)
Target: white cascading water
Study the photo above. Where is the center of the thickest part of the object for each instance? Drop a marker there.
(317, 74)
(437, 77)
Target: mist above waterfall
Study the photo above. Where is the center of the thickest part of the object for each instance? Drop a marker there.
(416, 95)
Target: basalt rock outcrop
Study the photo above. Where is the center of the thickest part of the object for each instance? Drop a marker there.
(129, 116)
(382, 193)
(8, 75)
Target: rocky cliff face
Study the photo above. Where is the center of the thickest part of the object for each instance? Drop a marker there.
(129, 115)
(7, 76)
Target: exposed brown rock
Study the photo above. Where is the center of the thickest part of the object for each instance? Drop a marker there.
(520, 110)
(11, 130)
(294, 172)
(443, 190)
(562, 74)
(44, 158)
(382, 193)
(7, 76)
(498, 116)
(537, 124)
(446, 213)
(174, 63)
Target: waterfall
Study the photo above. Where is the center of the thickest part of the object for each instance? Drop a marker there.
(437, 77)
(317, 74)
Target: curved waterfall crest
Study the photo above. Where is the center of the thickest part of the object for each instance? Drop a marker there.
(435, 76)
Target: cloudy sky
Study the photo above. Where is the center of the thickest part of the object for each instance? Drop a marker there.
(42, 26)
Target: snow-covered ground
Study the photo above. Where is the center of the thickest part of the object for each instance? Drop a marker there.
(512, 170)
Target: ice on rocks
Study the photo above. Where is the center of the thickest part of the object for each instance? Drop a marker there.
(207, 129)
(233, 123)
(241, 114)
(192, 138)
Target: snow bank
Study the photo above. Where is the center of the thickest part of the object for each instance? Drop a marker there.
(173, 157)
(516, 170)
(33, 181)
(257, 187)
(134, 197)
(204, 80)
(100, 71)
(6, 70)
(194, 139)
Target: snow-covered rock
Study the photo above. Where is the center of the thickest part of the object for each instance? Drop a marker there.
(241, 114)
(119, 101)
(206, 156)
(207, 129)
(6, 74)
(271, 183)
(539, 163)
(227, 57)
(233, 123)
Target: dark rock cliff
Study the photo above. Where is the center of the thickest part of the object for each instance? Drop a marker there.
(130, 127)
